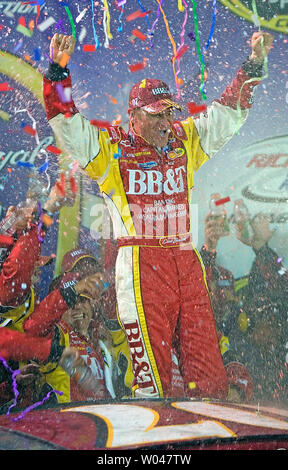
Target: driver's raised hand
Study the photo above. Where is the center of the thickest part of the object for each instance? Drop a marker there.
(60, 44)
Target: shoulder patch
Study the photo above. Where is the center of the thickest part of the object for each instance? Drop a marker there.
(114, 133)
(179, 131)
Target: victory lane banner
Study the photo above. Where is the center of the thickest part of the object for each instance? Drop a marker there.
(271, 14)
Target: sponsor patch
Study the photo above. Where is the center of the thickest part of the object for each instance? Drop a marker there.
(147, 165)
(175, 153)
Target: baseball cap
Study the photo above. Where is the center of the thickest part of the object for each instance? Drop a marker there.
(71, 258)
(152, 95)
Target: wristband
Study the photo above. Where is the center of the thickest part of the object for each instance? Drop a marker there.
(56, 73)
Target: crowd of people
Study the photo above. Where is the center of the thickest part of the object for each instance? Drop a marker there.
(251, 312)
(78, 317)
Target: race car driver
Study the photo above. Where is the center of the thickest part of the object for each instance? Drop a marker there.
(146, 177)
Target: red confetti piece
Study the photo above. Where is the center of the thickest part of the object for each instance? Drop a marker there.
(53, 149)
(195, 109)
(5, 87)
(61, 185)
(136, 67)
(61, 189)
(89, 48)
(139, 35)
(222, 201)
(137, 14)
(73, 185)
(99, 123)
(181, 52)
(29, 130)
(22, 21)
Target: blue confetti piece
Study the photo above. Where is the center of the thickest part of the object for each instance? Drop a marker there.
(23, 124)
(17, 47)
(37, 54)
(43, 167)
(25, 164)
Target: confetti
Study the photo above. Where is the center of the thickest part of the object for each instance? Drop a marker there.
(82, 14)
(191, 36)
(29, 130)
(82, 34)
(139, 35)
(64, 93)
(24, 30)
(106, 23)
(93, 26)
(18, 46)
(181, 52)
(37, 54)
(136, 67)
(53, 149)
(25, 164)
(73, 185)
(156, 21)
(43, 168)
(173, 46)
(5, 116)
(71, 21)
(61, 185)
(38, 403)
(22, 21)
(194, 3)
(89, 47)
(195, 109)
(212, 25)
(46, 24)
(223, 200)
(4, 86)
(13, 373)
(180, 6)
(137, 14)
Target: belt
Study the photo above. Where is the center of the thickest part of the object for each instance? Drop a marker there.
(163, 242)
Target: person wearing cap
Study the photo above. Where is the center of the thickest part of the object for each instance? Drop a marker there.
(106, 330)
(67, 310)
(19, 272)
(146, 177)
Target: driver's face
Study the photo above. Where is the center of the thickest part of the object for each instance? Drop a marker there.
(154, 128)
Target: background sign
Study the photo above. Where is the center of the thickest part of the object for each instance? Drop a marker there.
(271, 14)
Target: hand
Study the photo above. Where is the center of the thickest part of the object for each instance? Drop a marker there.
(261, 43)
(58, 199)
(28, 374)
(23, 216)
(78, 361)
(262, 233)
(213, 231)
(59, 45)
(91, 286)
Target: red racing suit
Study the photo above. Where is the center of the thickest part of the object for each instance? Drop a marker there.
(160, 278)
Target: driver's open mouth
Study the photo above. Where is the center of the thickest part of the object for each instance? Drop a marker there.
(163, 132)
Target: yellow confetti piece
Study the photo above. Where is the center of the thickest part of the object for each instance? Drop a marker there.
(108, 19)
(180, 6)
(5, 116)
